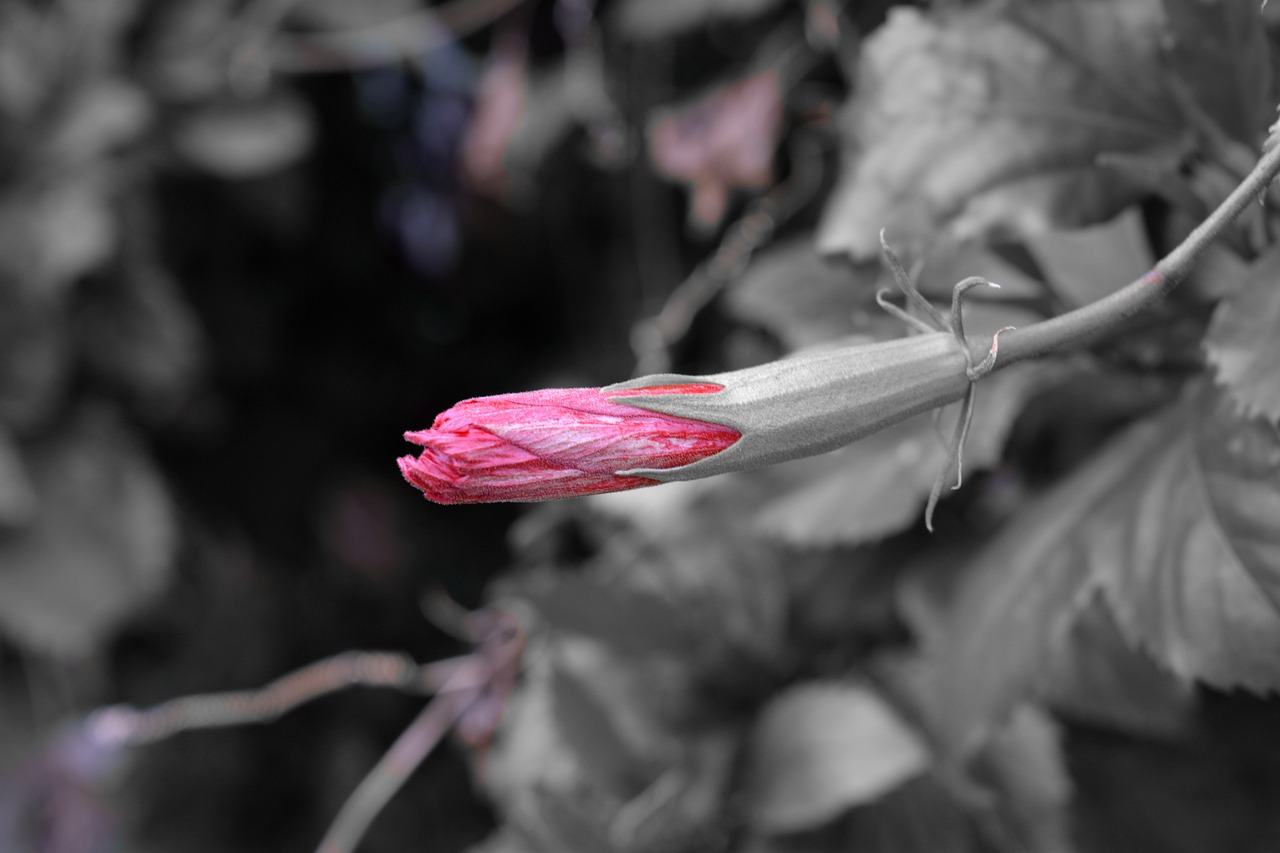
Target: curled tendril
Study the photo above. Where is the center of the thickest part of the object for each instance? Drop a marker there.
(934, 321)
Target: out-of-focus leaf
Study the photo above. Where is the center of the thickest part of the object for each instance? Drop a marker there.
(526, 753)
(921, 816)
(725, 586)
(18, 502)
(800, 297)
(946, 264)
(31, 57)
(1089, 263)
(35, 362)
(643, 19)
(1022, 767)
(679, 808)
(1001, 616)
(571, 824)
(1188, 551)
(1212, 789)
(877, 486)
(587, 731)
(1216, 275)
(104, 115)
(1015, 784)
(245, 139)
(99, 549)
(1219, 51)
(51, 238)
(505, 839)
(1243, 341)
(624, 617)
(142, 335)
(1095, 676)
(721, 142)
(341, 15)
(821, 748)
(991, 118)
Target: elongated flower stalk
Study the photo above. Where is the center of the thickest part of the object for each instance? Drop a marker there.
(565, 442)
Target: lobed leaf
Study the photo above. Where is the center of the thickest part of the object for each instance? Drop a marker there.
(1015, 599)
(1097, 677)
(1243, 340)
(1174, 520)
(1189, 552)
(990, 118)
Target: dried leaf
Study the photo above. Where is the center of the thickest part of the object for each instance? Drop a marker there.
(821, 748)
(721, 142)
(500, 105)
(1243, 340)
(645, 19)
(100, 548)
(980, 119)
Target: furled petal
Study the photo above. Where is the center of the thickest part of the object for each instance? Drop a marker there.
(555, 443)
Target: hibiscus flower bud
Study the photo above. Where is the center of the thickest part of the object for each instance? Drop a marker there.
(559, 443)
(556, 443)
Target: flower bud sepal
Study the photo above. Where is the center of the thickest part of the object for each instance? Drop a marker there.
(812, 402)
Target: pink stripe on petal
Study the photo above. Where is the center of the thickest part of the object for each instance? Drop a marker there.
(562, 442)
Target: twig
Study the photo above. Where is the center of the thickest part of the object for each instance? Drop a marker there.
(121, 723)
(390, 773)
(490, 669)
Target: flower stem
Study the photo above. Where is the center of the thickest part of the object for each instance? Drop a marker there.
(1078, 326)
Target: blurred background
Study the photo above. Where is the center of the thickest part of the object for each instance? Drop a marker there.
(243, 247)
(246, 244)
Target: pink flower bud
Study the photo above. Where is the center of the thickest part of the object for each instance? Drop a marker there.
(556, 443)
